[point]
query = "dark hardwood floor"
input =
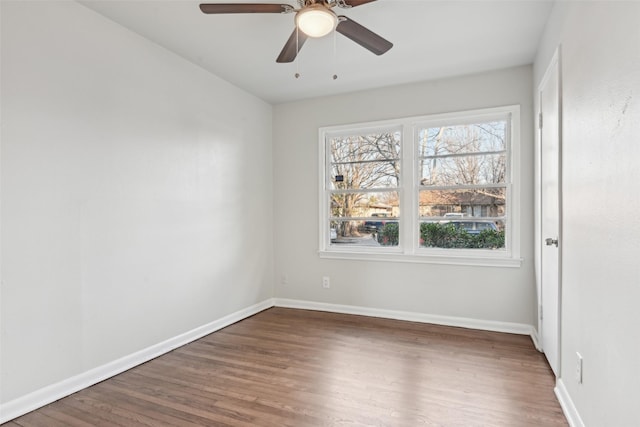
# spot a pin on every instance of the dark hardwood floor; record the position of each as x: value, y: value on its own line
x: 285, y: 367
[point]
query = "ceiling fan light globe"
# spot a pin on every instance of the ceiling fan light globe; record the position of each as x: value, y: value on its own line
x: 316, y: 21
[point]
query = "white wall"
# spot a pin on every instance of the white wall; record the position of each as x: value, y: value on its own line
x: 484, y: 293
x: 135, y: 189
x: 600, y: 46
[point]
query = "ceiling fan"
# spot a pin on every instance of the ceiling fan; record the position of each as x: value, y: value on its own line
x: 313, y: 18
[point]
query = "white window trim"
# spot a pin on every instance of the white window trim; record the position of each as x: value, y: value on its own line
x: 409, y: 216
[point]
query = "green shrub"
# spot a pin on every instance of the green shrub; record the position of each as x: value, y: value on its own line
x: 388, y: 235
x: 436, y: 235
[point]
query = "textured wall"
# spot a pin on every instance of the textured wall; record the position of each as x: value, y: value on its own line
x: 486, y: 293
x: 600, y: 57
x: 131, y: 181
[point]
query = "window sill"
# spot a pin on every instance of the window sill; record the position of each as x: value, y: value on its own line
x: 481, y: 261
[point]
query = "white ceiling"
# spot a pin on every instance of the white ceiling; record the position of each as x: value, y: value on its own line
x: 432, y: 39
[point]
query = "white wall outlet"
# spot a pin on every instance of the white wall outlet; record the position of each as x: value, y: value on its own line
x: 326, y: 282
x: 578, y: 368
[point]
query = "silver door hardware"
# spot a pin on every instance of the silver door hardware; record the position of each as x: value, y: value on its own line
x: 549, y: 241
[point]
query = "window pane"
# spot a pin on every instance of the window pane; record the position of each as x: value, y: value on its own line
x: 365, y: 219
x: 359, y: 233
x: 364, y: 161
x: 460, y: 204
x: 478, y: 169
x: 369, y: 175
x: 371, y: 146
x: 462, y: 139
x: 467, y: 233
x: 365, y: 205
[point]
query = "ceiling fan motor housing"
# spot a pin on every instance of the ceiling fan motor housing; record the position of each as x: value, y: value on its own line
x: 316, y: 20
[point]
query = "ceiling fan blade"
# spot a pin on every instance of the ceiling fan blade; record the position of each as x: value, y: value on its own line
x: 289, y: 51
x: 244, y: 8
x: 354, y: 3
x: 363, y: 36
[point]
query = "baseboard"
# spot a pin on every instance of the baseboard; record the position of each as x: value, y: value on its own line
x: 536, y: 339
x: 485, y: 325
x: 568, y: 408
x: 53, y: 392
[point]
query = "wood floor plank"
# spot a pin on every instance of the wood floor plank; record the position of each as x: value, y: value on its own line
x: 286, y: 367
x: 111, y: 409
x: 38, y: 419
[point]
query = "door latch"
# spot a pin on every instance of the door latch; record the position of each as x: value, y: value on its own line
x: 550, y: 242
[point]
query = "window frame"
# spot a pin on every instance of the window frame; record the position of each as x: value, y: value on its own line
x: 325, y: 160
x: 409, y: 249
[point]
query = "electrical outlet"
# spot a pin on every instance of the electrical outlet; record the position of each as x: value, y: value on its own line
x: 284, y: 279
x: 579, y: 368
x: 326, y: 282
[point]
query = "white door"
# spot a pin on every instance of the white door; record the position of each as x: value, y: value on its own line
x: 550, y: 214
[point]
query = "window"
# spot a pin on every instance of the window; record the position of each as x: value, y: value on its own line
x: 363, y: 183
x: 463, y: 170
x: 423, y: 189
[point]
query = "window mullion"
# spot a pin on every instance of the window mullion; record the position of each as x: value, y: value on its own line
x: 407, y: 192
x: 466, y: 154
x: 365, y: 190
x: 461, y: 187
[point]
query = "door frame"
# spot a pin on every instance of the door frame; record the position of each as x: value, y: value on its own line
x: 554, y: 62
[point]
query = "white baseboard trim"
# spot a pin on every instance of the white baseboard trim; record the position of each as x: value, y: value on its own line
x: 568, y: 408
x: 485, y: 325
x: 536, y: 339
x: 53, y: 392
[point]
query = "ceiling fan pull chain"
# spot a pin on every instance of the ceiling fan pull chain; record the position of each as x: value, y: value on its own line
x: 335, y: 55
x: 297, y: 74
